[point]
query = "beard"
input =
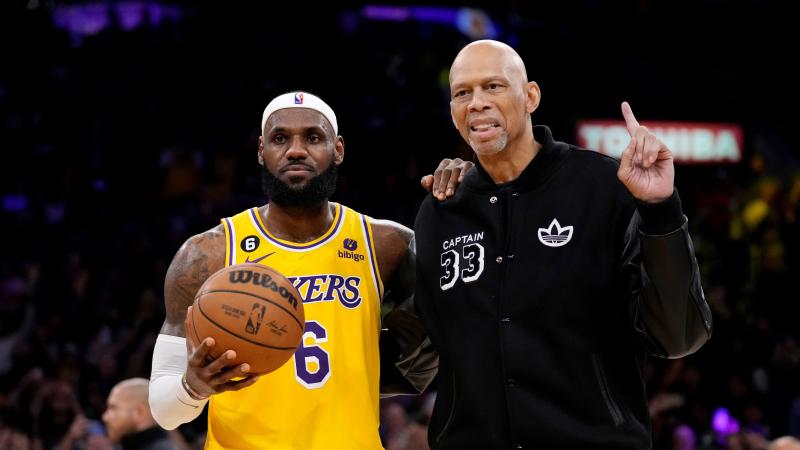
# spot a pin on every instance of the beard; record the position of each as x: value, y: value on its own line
x: 489, y: 148
x: 314, y: 192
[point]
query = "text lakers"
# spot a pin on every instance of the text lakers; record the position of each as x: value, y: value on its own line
x: 329, y: 288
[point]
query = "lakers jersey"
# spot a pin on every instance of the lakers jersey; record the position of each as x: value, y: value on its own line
x: 326, y: 395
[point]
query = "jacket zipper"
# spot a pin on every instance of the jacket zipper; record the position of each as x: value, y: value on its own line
x: 611, y: 404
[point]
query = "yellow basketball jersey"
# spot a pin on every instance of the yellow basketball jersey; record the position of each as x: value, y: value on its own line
x: 326, y: 396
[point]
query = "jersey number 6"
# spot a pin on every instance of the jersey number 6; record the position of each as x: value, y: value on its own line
x: 312, y: 366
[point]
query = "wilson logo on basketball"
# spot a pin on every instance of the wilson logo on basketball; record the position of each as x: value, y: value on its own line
x: 264, y: 280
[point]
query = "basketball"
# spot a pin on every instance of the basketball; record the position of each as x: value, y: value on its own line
x: 252, y: 309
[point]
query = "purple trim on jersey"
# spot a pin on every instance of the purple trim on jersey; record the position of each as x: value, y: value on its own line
x: 299, y: 246
x: 230, y: 241
x: 372, y: 258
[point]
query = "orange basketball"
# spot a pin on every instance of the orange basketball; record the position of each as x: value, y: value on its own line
x: 252, y: 309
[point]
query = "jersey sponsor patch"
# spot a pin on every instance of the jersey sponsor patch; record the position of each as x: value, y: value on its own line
x: 349, y: 252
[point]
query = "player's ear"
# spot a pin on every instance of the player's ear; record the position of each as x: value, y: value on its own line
x: 261, y: 150
x: 141, y: 411
x: 338, y: 156
x: 532, y: 96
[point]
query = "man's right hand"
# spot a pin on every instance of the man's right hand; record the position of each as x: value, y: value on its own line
x: 206, y: 375
x: 444, y: 181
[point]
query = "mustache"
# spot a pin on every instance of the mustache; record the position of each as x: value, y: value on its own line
x: 294, y: 166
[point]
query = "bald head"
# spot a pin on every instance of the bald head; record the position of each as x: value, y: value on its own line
x: 127, y: 409
x: 785, y: 443
x: 493, y: 54
x: 134, y: 390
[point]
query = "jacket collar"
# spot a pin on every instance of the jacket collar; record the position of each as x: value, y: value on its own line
x: 542, y: 166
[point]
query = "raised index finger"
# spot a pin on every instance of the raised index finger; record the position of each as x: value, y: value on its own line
x: 630, y: 119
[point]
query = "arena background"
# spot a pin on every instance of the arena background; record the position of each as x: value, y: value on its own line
x: 128, y: 126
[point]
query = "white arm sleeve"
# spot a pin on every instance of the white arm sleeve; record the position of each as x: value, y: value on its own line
x: 170, y: 404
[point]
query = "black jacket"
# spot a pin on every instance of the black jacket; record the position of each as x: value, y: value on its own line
x: 154, y: 438
x: 542, y: 297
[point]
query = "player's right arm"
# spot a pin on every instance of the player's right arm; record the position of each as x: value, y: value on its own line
x: 198, y: 258
x: 182, y: 377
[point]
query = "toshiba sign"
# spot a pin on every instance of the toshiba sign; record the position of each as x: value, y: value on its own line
x: 689, y: 142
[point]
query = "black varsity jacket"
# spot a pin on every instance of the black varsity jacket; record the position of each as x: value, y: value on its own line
x: 543, y: 296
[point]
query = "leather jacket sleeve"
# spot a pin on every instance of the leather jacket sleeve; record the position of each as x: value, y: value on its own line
x: 408, y: 361
x: 666, y: 299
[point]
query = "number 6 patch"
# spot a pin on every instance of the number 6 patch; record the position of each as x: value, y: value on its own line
x: 249, y: 243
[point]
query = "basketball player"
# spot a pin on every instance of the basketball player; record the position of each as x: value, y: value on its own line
x: 342, y: 262
x: 550, y: 275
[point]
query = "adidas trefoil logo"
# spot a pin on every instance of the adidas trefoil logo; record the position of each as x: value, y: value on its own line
x: 555, y: 235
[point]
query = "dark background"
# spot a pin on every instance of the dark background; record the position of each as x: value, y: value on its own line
x: 120, y: 141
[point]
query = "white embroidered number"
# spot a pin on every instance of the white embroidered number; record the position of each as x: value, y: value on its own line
x: 450, y: 264
x: 473, y: 257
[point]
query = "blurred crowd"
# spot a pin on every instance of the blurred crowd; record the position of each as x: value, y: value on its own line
x: 120, y: 145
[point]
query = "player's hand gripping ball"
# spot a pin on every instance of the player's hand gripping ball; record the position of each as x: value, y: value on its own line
x: 252, y: 309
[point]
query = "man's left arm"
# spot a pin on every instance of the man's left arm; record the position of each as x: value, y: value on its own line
x: 668, y: 308
x: 408, y: 362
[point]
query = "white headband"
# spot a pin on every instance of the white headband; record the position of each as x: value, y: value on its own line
x: 300, y: 100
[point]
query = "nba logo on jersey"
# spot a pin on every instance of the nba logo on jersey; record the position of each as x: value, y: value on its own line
x: 298, y: 98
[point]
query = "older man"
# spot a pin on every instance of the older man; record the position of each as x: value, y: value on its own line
x: 550, y: 275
